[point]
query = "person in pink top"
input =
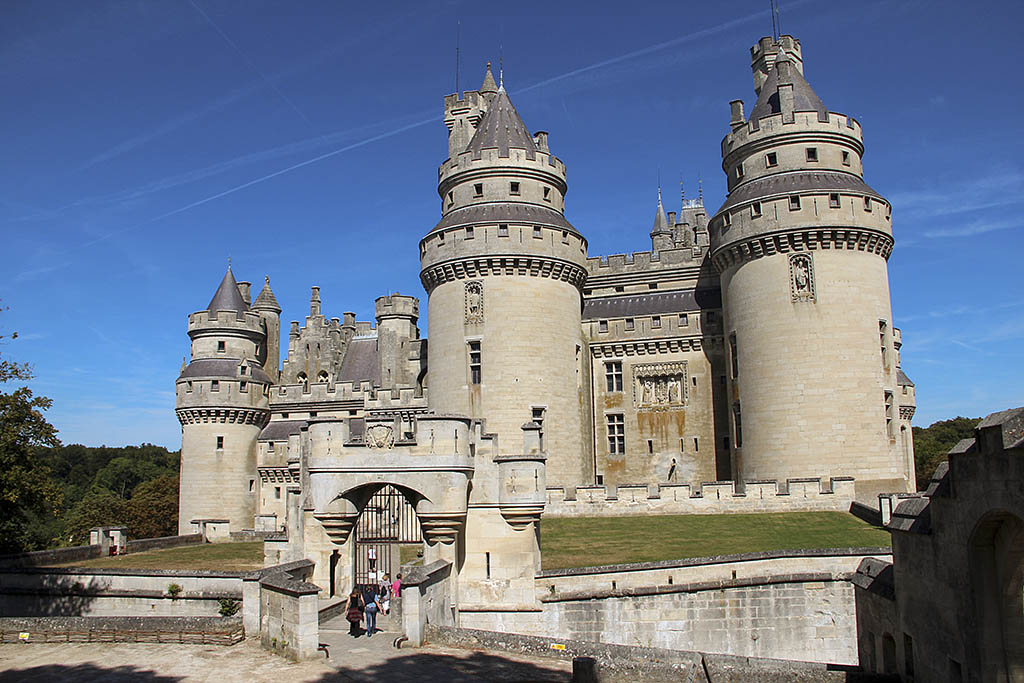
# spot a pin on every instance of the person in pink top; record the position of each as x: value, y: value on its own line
x: 396, y: 587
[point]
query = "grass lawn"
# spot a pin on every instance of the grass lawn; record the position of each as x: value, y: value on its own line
x: 592, y: 541
x: 225, y: 557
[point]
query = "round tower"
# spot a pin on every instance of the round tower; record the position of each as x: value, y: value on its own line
x: 801, y: 243
x: 504, y: 272
x: 222, y: 404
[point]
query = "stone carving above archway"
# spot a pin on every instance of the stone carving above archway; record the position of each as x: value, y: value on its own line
x: 380, y: 437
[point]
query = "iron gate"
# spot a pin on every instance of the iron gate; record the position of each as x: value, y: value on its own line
x: 387, y: 521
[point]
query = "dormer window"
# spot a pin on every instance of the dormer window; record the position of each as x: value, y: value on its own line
x: 771, y: 159
x: 243, y: 369
x: 513, y: 188
x: 812, y: 154
x: 478, y: 190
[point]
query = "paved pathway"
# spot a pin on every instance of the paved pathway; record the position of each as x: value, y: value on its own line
x: 351, y: 659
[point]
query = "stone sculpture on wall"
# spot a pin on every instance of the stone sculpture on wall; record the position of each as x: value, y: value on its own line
x: 801, y: 275
x: 380, y: 436
x: 474, y: 301
x: 658, y: 385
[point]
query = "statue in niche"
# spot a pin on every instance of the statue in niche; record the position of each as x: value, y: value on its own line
x: 801, y: 268
x: 474, y: 302
x: 648, y: 391
x: 673, y: 392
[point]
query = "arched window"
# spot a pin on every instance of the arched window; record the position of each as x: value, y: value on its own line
x: 322, y: 377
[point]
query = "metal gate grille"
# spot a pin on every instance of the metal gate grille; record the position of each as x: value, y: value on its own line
x: 387, y: 521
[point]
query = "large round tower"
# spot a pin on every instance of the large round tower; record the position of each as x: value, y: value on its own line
x: 504, y: 271
x: 802, y: 243
x: 222, y: 404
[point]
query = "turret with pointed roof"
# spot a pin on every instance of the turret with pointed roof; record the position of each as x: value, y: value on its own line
x: 269, y: 354
x: 228, y: 297
x: 661, y: 233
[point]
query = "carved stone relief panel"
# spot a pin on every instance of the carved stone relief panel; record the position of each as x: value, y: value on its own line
x: 380, y: 436
x: 801, y: 277
x: 659, y: 385
x: 474, y: 301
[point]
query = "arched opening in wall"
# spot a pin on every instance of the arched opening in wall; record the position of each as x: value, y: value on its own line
x: 997, y: 583
x: 387, y: 536
x: 322, y: 377
x: 888, y: 654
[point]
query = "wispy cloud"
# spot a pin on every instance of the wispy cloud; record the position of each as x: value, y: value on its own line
x: 978, y: 226
x: 1002, y: 188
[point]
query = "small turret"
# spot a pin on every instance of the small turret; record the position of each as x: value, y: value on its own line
x: 396, y: 327
x: 270, y: 313
x: 661, y: 233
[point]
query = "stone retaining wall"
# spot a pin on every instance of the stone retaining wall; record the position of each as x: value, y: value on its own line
x: 723, y: 497
x: 197, y: 630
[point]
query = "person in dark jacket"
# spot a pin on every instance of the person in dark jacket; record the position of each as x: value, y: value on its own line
x: 354, y: 612
x: 371, y: 605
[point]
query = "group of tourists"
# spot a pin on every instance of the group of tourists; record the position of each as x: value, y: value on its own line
x: 366, y: 601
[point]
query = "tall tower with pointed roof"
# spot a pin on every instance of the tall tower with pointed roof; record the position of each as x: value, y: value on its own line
x: 222, y: 404
x: 801, y: 243
x: 504, y: 271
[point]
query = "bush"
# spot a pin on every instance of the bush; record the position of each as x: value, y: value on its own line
x: 229, y: 607
x: 174, y: 590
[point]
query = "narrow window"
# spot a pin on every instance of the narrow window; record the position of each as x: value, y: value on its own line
x: 726, y: 219
x: 243, y: 386
x: 474, y: 362
x: 547, y: 194
x: 732, y: 356
x: 451, y: 199
x: 630, y: 324
x: 243, y: 370
x: 440, y: 237
x: 867, y: 204
x: 613, y: 375
x: 739, y: 171
x: 684, y: 320
x: 277, y: 493
x: 696, y: 445
x: 721, y: 380
x: 215, y: 385
x: 616, y: 434
x: 711, y: 316
x: 650, y: 446
x: 812, y: 154
x: 882, y: 334
x: 833, y: 200
x: 221, y: 347
x: 188, y: 387
x: 694, y: 380
x: 469, y: 233
x: 503, y: 230
x: 565, y: 237
x: 536, y: 232
x: 487, y: 558
x: 794, y: 202
x: 270, y: 446
x: 600, y: 480
x: 771, y: 159
x: 602, y: 326
x: 478, y: 190
x: 889, y: 415
x: 738, y: 422
x: 252, y: 485
x: 656, y: 322
x: 755, y: 210
x: 513, y: 188
x: 220, y: 443
x: 846, y: 158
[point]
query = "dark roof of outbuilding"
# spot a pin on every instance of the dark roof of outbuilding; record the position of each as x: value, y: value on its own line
x: 227, y: 297
x: 280, y: 430
x: 225, y: 368
x: 360, y: 363
x: 649, y: 304
x: 507, y: 212
x: 502, y: 129
x: 797, y: 181
x: 804, y: 97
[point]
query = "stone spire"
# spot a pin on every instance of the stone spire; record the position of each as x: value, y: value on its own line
x: 786, y: 72
x: 660, y: 221
x: 489, y: 87
x: 266, y: 299
x: 502, y: 128
x: 228, y: 297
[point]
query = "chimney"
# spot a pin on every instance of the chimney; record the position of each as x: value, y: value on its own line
x: 736, y: 119
x: 314, y: 302
x: 540, y: 138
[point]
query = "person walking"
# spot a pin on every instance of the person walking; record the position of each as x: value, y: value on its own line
x: 371, y: 607
x: 384, y: 593
x: 354, y: 612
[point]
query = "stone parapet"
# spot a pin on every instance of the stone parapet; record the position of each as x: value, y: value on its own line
x: 712, y: 498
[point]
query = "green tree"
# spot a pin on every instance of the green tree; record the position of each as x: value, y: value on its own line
x: 25, y: 485
x: 153, y: 509
x: 99, y: 507
x: 932, y: 444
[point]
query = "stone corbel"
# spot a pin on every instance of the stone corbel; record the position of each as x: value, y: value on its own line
x: 338, y: 526
x: 441, y: 527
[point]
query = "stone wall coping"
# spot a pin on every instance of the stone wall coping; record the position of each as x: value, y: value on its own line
x: 127, y: 571
x: 31, y: 624
x: 715, y: 559
x: 257, y: 574
x: 697, y: 586
x: 282, y: 582
x: 517, y: 457
x: 419, y: 575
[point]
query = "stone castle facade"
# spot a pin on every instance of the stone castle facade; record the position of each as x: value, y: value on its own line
x: 753, y: 344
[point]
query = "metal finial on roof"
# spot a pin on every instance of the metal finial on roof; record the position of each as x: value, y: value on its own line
x: 501, y: 66
x: 682, y: 190
x: 700, y: 190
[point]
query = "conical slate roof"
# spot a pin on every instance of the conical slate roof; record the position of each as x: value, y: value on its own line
x: 489, y: 85
x: 266, y: 300
x: 502, y: 128
x: 804, y: 97
x: 228, y: 298
x: 660, y: 220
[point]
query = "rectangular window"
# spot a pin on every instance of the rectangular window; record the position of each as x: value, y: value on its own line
x: 652, y: 285
x: 451, y: 199
x: 889, y: 423
x: 270, y: 446
x: 739, y: 171
x: 733, y: 357
x: 503, y: 230
x: 220, y: 443
x: 474, y: 362
x: 547, y: 194
x: 738, y: 423
x: 684, y: 319
x: 613, y: 375
x: 755, y: 210
x: 602, y: 326
x: 867, y: 204
x: 600, y: 480
x: 537, y: 415
x: 650, y: 446
x: 478, y: 190
x: 215, y: 385
x: 188, y: 388
x: 833, y: 200
x: 725, y: 442
x: 794, y: 202
x: 243, y: 386
x: 726, y: 219
x: 565, y: 237
x: 812, y: 154
x: 536, y: 232
x: 846, y: 158
x: 630, y: 325
x: 513, y: 188
x: 721, y: 380
x: 616, y: 434
x: 656, y: 322
x: 696, y: 444
x: 221, y: 347
x: 469, y: 233
x: 771, y: 159
x: 882, y: 342
x: 277, y: 493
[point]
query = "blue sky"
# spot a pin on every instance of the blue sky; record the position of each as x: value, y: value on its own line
x: 146, y: 142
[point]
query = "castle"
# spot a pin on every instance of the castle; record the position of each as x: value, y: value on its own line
x: 755, y: 344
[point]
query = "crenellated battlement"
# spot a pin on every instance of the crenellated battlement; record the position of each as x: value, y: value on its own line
x: 643, y: 261
x: 391, y: 399
x: 771, y: 130
x: 397, y: 305
x: 204, y: 322
x: 722, y: 497
x: 490, y: 162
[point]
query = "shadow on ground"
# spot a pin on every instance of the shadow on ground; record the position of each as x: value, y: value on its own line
x: 445, y: 668
x: 84, y: 673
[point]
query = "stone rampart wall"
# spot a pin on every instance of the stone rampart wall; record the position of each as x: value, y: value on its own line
x: 39, y: 558
x: 141, y: 544
x: 190, y: 630
x: 723, y: 497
